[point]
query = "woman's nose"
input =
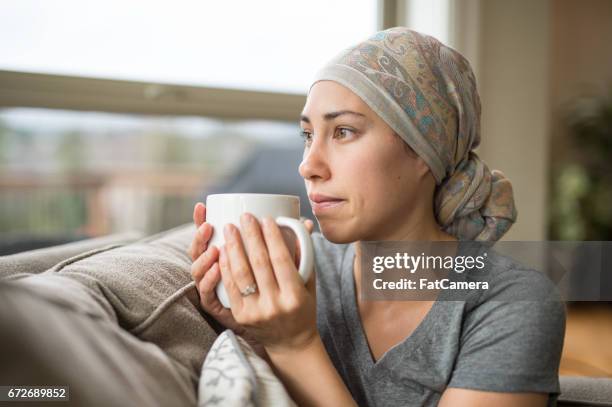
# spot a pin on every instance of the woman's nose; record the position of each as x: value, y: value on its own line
x: 314, y: 163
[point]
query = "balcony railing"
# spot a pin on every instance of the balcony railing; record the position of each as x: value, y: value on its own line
x: 94, y: 205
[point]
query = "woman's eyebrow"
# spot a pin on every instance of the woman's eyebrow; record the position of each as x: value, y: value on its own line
x: 332, y: 115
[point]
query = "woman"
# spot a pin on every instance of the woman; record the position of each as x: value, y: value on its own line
x: 389, y: 127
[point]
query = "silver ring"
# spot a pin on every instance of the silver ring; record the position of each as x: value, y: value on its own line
x: 250, y: 289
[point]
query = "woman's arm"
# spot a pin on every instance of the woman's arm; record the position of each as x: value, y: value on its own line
x: 310, y: 377
x: 281, y: 312
x: 454, y: 397
x: 510, y: 348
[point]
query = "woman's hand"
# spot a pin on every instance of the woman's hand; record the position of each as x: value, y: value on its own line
x: 206, y: 273
x: 281, y: 314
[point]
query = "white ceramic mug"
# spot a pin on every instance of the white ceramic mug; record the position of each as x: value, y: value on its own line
x: 285, y: 209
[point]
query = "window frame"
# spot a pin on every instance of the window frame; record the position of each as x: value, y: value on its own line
x: 41, y: 90
x: 22, y: 89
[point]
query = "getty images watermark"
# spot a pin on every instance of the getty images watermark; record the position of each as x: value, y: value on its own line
x: 506, y: 271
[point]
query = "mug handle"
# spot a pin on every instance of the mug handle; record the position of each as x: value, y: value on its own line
x: 305, y: 241
x: 306, y: 255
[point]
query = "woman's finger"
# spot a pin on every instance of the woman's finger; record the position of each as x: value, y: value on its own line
x: 200, y: 240
x: 210, y: 302
x: 309, y: 225
x: 238, y: 262
x: 282, y: 263
x: 258, y: 254
x: 199, y: 214
x: 311, y: 285
x: 233, y: 292
x: 204, y: 262
x: 208, y: 285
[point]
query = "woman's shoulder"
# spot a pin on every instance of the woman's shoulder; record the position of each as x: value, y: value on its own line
x: 512, y: 332
x: 517, y: 295
x: 510, y: 280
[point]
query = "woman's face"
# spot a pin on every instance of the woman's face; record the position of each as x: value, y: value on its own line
x: 353, y: 157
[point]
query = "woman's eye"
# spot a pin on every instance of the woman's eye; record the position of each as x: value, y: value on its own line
x: 343, y: 132
x: 305, y: 135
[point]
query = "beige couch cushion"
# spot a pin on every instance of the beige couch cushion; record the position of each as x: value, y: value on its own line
x: 37, y: 261
x: 144, y: 290
x: 585, y: 391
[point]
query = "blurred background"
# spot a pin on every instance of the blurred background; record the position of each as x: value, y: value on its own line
x: 118, y: 116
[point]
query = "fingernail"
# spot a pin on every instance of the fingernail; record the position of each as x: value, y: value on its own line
x: 207, y: 251
x: 267, y: 221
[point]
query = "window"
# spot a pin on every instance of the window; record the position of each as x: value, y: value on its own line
x: 430, y: 17
x: 65, y: 172
x: 268, y: 45
x: 119, y: 115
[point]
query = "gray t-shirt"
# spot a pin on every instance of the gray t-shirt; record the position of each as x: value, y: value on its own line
x: 486, y: 342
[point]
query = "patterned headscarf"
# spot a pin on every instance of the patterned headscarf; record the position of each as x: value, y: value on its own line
x: 426, y: 92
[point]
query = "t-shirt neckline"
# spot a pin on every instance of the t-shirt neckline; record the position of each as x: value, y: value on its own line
x: 356, y: 332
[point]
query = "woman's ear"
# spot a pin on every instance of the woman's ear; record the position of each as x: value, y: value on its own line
x: 422, y: 167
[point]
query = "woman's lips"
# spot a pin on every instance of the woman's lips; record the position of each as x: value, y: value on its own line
x: 320, y: 207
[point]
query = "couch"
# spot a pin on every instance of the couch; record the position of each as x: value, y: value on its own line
x: 128, y: 350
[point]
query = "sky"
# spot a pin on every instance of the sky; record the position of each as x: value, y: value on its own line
x: 272, y: 45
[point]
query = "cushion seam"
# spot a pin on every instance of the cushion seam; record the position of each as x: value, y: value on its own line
x: 59, y: 266
x: 161, y: 308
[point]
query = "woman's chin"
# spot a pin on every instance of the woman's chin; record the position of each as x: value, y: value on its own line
x: 336, y: 234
